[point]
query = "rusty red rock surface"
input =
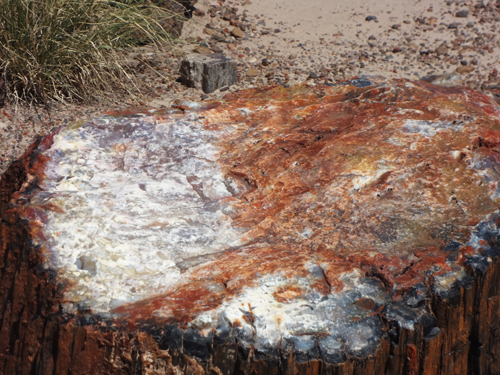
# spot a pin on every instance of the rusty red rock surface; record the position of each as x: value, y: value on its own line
x: 348, y: 199
x: 379, y: 178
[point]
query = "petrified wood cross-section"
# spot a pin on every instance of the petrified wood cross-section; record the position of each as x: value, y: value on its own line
x: 337, y: 230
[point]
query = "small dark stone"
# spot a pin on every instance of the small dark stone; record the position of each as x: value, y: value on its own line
x: 204, y: 96
x: 463, y: 62
x: 396, y: 50
x: 313, y: 75
x: 370, y: 18
x: 442, y: 50
x: 462, y: 13
x: 360, y: 82
x: 372, y: 37
x: 225, y: 88
x: 452, y: 25
x: 198, y: 13
x: 395, y: 26
x: 474, y: 61
x: 265, y: 62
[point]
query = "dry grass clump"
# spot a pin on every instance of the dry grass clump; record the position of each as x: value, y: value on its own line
x: 67, y: 50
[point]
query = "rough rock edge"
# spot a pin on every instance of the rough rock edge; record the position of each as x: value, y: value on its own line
x: 454, y: 331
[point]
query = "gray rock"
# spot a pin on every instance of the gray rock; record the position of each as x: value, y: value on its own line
x: 442, y: 50
x: 208, y: 72
x: 462, y: 13
x: 445, y: 80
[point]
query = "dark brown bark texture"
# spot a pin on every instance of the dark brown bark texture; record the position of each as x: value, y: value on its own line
x: 428, y: 329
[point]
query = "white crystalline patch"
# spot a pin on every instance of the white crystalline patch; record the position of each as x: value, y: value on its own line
x: 428, y: 128
x: 136, y: 199
x: 264, y: 321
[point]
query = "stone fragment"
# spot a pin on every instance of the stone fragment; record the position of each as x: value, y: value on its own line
x: 462, y: 13
x: 198, y: 13
x: 445, y: 80
x: 442, y: 50
x: 202, y: 50
x: 173, y: 25
x: 213, y: 32
x: 371, y: 18
x: 252, y: 72
x: 237, y: 33
x: 464, y: 69
x: 208, y: 72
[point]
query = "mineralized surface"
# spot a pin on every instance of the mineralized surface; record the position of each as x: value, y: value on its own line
x: 331, y: 229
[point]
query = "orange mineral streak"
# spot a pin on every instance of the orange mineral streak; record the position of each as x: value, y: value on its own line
x: 376, y: 179
x: 288, y: 293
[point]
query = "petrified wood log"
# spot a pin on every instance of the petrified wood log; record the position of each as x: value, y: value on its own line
x: 351, y: 229
x: 208, y: 72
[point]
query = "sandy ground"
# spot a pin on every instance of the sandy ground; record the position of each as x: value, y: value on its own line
x: 285, y: 42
